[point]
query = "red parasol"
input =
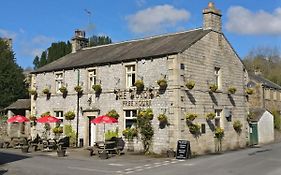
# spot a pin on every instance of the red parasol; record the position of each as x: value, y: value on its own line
x: 104, y: 119
x: 18, y: 119
x: 48, y: 119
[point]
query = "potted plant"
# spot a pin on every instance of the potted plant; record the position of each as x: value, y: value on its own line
x: 162, y: 83
x: 231, y: 90
x: 63, y: 90
x: 213, y: 87
x: 70, y: 115
x: 32, y: 91
x: 140, y: 85
x: 78, y: 89
x: 249, y: 91
x: 46, y: 91
x: 113, y: 113
x: 191, y: 116
x: 237, y: 125
x: 97, y: 88
x: 190, y: 84
x: 194, y: 129
x: 210, y: 116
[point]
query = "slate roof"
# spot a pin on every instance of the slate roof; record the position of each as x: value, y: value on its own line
x: 265, y: 82
x: 20, y: 104
x: 256, y: 114
x: 151, y: 47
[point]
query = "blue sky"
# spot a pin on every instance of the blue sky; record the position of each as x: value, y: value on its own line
x: 34, y: 25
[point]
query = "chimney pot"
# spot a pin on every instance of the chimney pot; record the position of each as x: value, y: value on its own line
x: 212, y: 18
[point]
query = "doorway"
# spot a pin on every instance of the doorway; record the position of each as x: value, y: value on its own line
x: 254, y: 140
x: 92, y: 131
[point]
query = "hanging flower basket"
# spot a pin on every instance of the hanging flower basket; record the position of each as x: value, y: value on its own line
x: 231, y: 90
x: 58, y: 130
x: 78, y: 89
x: 162, y: 83
x: 213, y: 87
x: 237, y: 126
x: 97, y: 88
x: 219, y: 133
x: 112, y: 113
x: 194, y: 128
x: 210, y: 116
x: 249, y: 91
x: 70, y: 115
x: 140, y: 85
x: 46, y: 91
x: 148, y: 113
x: 130, y: 133
x: 32, y: 91
x: 190, y: 84
x: 63, y: 89
x: 162, y: 118
x: 191, y: 117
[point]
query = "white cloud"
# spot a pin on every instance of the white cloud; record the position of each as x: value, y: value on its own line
x: 243, y: 21
x: 41, y: 39
x: 7, y: 34
x: 156, y: 19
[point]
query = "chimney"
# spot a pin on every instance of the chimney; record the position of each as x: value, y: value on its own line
x: 79, y: 41
x: 212, y: 18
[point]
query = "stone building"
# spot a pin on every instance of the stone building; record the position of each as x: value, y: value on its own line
x: 203, y: 56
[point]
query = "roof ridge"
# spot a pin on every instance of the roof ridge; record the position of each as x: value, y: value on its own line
x: 141, y: 39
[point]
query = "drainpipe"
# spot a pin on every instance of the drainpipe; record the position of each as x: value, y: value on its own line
x: 77, y: 118
x: 263, y: 97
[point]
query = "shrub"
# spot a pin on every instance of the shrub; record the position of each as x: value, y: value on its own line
x: 211, y: 116
x: 190, y: 84
x: 113, y: 113
x: 70, y: 115
x: 191, y: 117
x: 140, y: 85
x: 219, y: 133
x: 237, y: 125
x: 130, y: 133
x: 97, y: 88
x: 162, y: 118
x: 78, y: 89
x: 249, y: 91
x: 162, y: 83
x: 213, y: 87
x: 232, y: 90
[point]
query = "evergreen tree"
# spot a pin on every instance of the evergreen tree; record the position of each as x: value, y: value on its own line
x: 12, y: 85
x: 36, y: 62
x: 99, y: 40
x: 43, y: 59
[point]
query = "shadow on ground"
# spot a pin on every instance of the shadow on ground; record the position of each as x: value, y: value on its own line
x: 10, y: 157
x: 3, y: 171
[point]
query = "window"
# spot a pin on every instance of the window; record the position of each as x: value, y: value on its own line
x: 130, y: 118
x: 203, y: 128
x: 59, y: 81
x: 59, y: 115
x: 218, y: 118
x: 92, y: 78
x: 182, y: 66
x: 218, y: 77
x: 130, y: 75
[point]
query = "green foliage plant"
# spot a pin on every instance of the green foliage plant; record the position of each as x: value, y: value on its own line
x: 190, y: 84
x: 162, y: 83
x: 145, y: 128
x: 219, y: 133
x: 58, y: 130
x: 113, y: 113
x: 140, y: 85
x: 277, y: 120
x: 110, y: 134
x: 237, y: 126
x: 97, y: 88
x: 213, y: 87
x: 32, y: 91
x: 63, y: 90
x: 46, y: 91
x: 210, y: 116
x: 162, y: 118
x: 69, y: 132
x: 194, y: 128
x: 130, y: 133
x: 249, y: 91
x: 232, y: 90
x: 78, y: 89
x: 69, y: 115
x: 191, y: 116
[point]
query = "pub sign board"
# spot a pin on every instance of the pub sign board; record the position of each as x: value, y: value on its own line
x: 183, y: 149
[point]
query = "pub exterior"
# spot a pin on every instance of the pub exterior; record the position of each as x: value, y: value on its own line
x: 190, y: 62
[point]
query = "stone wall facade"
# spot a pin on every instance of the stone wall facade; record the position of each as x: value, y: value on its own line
x: 196, y: 63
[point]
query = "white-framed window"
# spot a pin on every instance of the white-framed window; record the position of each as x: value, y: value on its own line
x: 59, y: 115
x: 59, y: 81
x: 92, y: 74
x: 218, y: 77
x: 130, y: 118
x: 130, y: 75
x: 218, y: 118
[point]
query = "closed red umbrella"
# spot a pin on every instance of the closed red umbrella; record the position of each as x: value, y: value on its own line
x: 18, y: 119
x: 48, y: 119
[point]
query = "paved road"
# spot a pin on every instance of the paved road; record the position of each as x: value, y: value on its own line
x: 257, y: 161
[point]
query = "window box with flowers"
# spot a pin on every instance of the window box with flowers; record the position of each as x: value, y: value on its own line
x: 210, y: 116
x: 190, y: 84
x: 140, y: 85
x: 70, y: 115
x: 213, y: 87
x: 113, y: 113
x: 162, y: 84
x: 191, y: 117
x: 97, y: 88
x: 249, y: 91
x: 46, y: 91
x: 78, y: 89
x: 232, y: 90
x: 32, y: 91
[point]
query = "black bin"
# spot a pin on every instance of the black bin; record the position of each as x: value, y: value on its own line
x: 81, y: 142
